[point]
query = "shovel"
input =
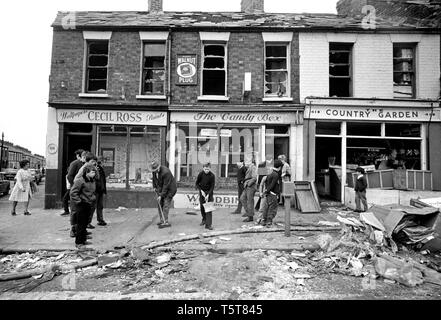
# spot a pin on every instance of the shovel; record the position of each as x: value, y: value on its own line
x: 160, y: 208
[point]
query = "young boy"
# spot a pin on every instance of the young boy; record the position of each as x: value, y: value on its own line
x: 360, y: 190
x: 205, y: 184
x: 82, y: 195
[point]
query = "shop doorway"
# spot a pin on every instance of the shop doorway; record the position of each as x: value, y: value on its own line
x: 76, y: 137
x: 328, y: 171
x: 281, y: 146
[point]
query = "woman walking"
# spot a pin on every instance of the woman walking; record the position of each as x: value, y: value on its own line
x: 83, y: 197
x: 205, y: 184
x: 22, y: 191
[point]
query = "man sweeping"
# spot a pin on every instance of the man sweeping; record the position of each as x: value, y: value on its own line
x: 165, y: 187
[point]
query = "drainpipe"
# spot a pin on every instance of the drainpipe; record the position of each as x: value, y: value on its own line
x: 169, y: 66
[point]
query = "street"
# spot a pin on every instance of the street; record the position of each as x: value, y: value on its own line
x: 132, y: 259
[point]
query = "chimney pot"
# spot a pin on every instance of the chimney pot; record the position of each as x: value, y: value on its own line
x: 155, y: 6
x: 252, y: 6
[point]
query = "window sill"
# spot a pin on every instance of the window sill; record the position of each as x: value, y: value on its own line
x: 93, y: 95
x: 151, y: 97
x: 277, y: 99
x: 214, y: 98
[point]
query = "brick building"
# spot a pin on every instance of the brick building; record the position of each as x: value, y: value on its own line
x: 191, y: 87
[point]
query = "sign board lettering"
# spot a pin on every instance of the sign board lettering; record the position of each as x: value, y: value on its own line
x: 186, y: 69
x: 236, y: 117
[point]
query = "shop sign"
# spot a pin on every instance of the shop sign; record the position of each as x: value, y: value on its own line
x: 236, y: 117
x: 377, y: 114
x: 52, y: 148
x: 225, y: 133
x: 186, y: 69
x: 191, y: 200
x: 208, y: 132
x: 152, y: 118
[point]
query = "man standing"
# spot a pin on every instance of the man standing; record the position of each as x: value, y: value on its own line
x: 101, y: 190
x: 360, y: 190
x: 165, y: 187
x: 272, y: 185
x: 241, y: 172
x: 66, y: 196
x: 250, y: 189
x: 74, y: 167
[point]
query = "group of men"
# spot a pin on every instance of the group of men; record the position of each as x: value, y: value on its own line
x: 267, y: 178
x: 74, y: 173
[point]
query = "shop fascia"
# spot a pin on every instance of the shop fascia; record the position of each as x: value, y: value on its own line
x: 235, y: 117
x: 152, y: 118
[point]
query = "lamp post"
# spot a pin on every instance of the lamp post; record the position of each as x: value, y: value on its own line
x: 1, y: 152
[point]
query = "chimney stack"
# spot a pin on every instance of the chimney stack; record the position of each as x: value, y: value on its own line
x: 155, y: 6
x: 252, y: 6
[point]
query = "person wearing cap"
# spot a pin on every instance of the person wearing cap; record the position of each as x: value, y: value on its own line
x: 205, y: 184
x: 83, y: 197
x: 250, y: 188
x: 272, y: 186
x: 360, y: 190
x: 165, y: 187
x: 241, y: 172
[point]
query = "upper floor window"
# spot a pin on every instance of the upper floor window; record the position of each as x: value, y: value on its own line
x: 404, y: 70
x: 276, y: 70
x: 214, y: 70
x: 340, y: 69
x: 96, y: 66
x: 153, y: 73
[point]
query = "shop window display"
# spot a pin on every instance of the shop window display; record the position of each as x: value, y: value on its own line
x: 127, y: 152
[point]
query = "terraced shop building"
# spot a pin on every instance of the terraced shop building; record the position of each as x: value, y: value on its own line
x: 184, y: 88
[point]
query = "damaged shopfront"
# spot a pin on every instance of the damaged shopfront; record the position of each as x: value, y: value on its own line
x: 128, y: 142
x: 382, y: 136
x: 225, y: 137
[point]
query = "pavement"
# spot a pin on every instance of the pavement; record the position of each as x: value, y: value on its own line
x: 47, y: 230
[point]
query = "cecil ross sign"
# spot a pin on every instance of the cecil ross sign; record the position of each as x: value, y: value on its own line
x: 112, y: 117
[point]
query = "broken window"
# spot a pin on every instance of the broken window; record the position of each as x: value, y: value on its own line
x: 154, y: 69
x: 340, y: 70
x: 404, y: 70
x: 97, y: 63
x: 276, y: 70
x: 214, y: 70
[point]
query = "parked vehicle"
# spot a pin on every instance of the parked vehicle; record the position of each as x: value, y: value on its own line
x: 4, y: 184
x: 10, y: 174
x: 36, y: 174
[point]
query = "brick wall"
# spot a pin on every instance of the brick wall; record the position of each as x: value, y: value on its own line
x: 155, y: 5
x: 245, y: 54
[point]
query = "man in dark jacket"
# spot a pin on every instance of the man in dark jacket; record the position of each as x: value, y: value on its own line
x: 66, y: 196
x: 241, y: 172
x: 74, y: 167
x: 360, y: 190
x: 101, y: 190
x: 272, y: 185
x: 165, y: 187
x: 205, y: 184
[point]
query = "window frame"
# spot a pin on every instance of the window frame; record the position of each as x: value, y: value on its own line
x: 287, y: 46
x: 144, y: 94
x: 413, y: 47
x: 350, y: 45
x: 225, y: 69
x: 86, y: 90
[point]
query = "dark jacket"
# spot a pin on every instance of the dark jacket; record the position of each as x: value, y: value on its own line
x: 273, y: 182
x: 241, y: 174
x: 74, y: 167
x: 206, y: 183
x: 83, y: 191
x: 101, y: 187
x: 164, y: 183
x: 360, y: 184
